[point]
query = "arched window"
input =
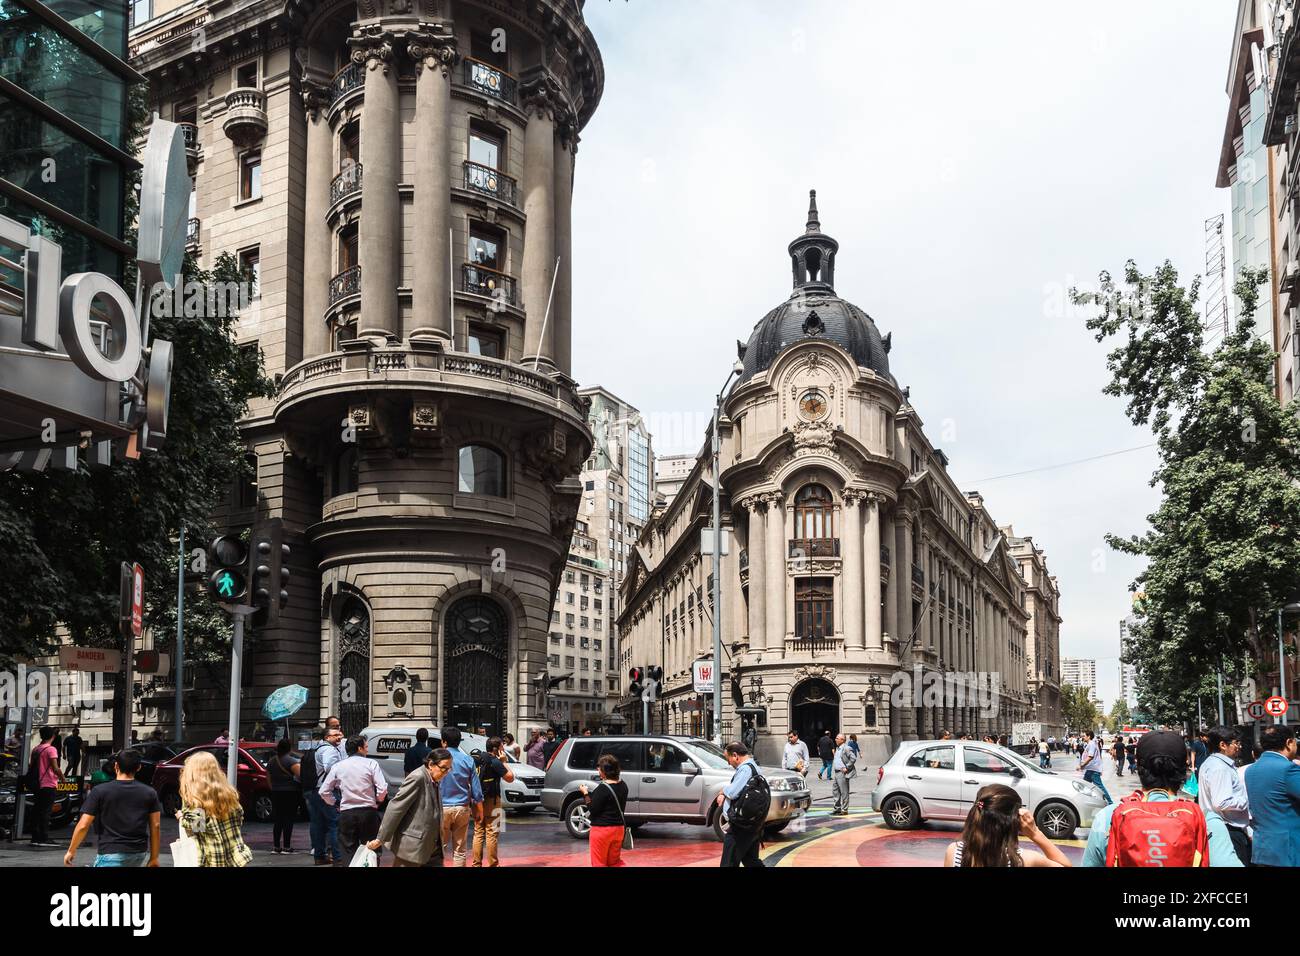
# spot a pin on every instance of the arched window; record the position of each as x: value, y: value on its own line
x: 813, y: 514
x: 482, y: 471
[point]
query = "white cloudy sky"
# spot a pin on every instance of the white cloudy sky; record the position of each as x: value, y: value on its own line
x: 974, y: 160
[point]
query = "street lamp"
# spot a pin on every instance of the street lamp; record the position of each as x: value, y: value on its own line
x: 1292, y: 607
x: 736, y: 369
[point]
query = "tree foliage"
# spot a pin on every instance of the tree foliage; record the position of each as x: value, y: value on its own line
x: 1078, y: 708
x: 1223, y: 548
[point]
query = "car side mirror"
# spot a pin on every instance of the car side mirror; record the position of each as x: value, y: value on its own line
x: 1016, y: 772
x: 689, y: 767
x: 245, y: 767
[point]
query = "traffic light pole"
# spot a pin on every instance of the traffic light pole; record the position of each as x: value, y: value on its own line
x: 180, y: 639
x: 236, y: 671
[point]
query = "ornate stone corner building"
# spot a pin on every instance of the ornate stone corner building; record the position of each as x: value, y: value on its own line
x: 398, y: 176
x: 854, y: 558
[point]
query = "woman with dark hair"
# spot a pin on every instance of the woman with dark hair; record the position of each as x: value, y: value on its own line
x: 606, y: 804
x: 994, y: 826
x: 286, y: 794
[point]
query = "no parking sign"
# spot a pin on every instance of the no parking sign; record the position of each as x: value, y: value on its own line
x: 1276, y: 706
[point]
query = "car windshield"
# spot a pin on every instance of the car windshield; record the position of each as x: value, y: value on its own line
x: 708, y: 754
x: 262, y: 755
x: 1020, y: 761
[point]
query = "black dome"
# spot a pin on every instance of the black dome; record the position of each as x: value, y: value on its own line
x: 815, y: 311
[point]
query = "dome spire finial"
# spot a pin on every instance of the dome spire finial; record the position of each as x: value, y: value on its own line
x: 814, y: 225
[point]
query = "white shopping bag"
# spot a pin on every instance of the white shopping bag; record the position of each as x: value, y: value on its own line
x: 185, y: 851
x: 364, y: 857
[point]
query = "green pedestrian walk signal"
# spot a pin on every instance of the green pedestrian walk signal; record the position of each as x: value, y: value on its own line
x: 228, y: 583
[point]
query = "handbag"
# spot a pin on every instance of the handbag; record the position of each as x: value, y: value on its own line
x: 628, y: 843
x: 185, y: 851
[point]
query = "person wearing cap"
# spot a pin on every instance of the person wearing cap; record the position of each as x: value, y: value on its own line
x: 1162, y: 768
x: 1273, y: 785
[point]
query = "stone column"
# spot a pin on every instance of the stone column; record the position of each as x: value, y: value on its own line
x: 566, y: 147
x: 891, y: 592
x: 540, y: 97
x: 871, y: 556
x: 431, y: 313
x: 317, y: 238
x: 757, y: 576
x: 851, y: 580
x: 776, y: 574
x: 903, y: 571
x: 380, y: 233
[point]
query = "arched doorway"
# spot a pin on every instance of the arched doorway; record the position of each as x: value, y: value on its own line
x: 476, y: 647
x: 814, y: 709
x: 354, y: 665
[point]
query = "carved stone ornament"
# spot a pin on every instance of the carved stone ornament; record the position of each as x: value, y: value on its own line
x: 425, y: 417
x: 432, y: 51
x: 374, y: 49
x: 809, y: 671
x: 314, y: 99
x: 813, y: 435
x: 359, y: 415
x: 541, y: 96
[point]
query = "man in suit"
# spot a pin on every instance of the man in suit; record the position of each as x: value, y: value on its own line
x: 1273, y: 788
x: 415, y: 755
x: 412, y: 825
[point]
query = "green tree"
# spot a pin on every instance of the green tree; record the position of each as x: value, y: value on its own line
x: 1077, y: 708
x: 1223, y: 548
x: 1118, y: 716
x: 69, y: 531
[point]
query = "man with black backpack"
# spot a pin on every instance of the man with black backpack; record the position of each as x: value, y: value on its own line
x: 744, y: 802
x: 492, y: 771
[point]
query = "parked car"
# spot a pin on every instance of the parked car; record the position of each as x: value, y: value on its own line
x: 252, y: 779
x: 389, y: 743
x: 669, y: 780
x: 66, y: 806
x: 938, y: 780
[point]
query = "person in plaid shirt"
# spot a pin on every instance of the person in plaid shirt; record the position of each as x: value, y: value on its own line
x: 211, y: 814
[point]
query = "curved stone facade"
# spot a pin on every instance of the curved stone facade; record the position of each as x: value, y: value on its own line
x: 407, y: 205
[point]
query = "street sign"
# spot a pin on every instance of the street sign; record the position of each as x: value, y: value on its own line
x: 1255, y: 709
x: 137, y: 600
x: 1276, y: 706
x: 96, y: 659
x: 702, y: 672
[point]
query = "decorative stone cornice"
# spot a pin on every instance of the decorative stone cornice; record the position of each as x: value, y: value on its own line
x: 314, y: 97
x: 540, y: 95
x: 432, y: 51
x: 813, y: 435
x: 854, y: 497
x: 373, y: 48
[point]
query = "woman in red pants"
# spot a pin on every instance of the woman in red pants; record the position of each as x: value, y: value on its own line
x: 606, y: 805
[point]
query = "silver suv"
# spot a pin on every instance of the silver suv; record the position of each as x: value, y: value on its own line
x: 669, y: 779
x: 938, y: 779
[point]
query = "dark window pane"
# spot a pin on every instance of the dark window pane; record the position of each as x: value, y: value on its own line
x: 105, y: 23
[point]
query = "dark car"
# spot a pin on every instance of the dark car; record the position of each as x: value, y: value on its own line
x: 252, y: 779
x: 67, y: 803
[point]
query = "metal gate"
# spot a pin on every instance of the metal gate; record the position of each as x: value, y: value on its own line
x: 476, y: 645
x: 354, y: 666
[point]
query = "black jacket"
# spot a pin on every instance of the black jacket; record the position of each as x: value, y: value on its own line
x: 826, y: 748
x: 415, y: 755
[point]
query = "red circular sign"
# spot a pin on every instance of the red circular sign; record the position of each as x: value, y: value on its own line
x: 1276, y: 706
x: 1255, y: 708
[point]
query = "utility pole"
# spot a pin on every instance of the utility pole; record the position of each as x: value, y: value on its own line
x: 180, y: 639
x: 715, y: 448
x: 1219, y: 678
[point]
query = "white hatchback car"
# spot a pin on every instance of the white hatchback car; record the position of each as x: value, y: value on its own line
x: 938, y: 779
x: 388, y: 745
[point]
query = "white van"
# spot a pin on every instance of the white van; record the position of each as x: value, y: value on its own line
x: 388, y: 744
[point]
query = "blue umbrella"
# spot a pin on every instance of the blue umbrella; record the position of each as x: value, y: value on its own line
x: 284, y: 702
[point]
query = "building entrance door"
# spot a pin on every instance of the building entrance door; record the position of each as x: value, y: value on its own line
x: 475, y: 645
x: 814, y: 709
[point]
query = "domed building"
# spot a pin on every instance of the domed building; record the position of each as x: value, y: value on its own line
x: 863, y: 591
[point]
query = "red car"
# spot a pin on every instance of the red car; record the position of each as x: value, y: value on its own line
x: 253, y: 781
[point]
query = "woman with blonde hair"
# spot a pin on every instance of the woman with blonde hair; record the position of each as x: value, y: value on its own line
x: 211, y: 814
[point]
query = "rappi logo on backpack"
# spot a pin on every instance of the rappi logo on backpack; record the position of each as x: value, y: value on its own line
x: 1156, y: 855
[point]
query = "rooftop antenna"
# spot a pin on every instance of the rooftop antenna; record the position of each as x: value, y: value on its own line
x: 1216, y: 299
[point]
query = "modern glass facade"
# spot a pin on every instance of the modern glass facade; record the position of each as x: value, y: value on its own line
x: 63, y: 126
x: 1251, y: 218
x: 638, y: 476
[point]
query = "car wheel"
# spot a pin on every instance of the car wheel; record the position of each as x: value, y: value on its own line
x: 577, y: 818
x: 171, y: 802
x: 716, y: 824
x: 262, y: 808
x: 1056, y: 820
x: 901, y: 813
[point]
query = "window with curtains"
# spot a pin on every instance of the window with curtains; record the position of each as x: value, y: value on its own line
x: 814, y: 607
x: 813, y: 513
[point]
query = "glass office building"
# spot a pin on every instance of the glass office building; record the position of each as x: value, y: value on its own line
x: 1251, y: 210
x: 64, y: 161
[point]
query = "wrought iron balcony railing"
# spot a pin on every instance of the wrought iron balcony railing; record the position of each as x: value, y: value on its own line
x: 192, y: 234
x: 744, y: 560
x: 918, y: 576
x: 346, y: 80
x: 345, y: 183
x: 884, y: 555
x: 814, y: 548
x: 490, y: 182
x: 488, y: 79
x: 346, y: 283
x: 481, y: 280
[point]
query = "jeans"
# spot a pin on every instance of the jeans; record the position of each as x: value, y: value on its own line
x: 1094, y: 778
x: 1044, y: 760
x: 324, y: 828
x: 827, y: 768
x: 740, y: 847
x: 122, y: 859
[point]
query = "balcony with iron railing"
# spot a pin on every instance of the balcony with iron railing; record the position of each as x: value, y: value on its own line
x: 811, y: 644
x: 351, y: 77
x: 245, y: 122
x: 487, y: 79
x: 918, y: 576
x: 487, y: 181
x: 346, y: 283
x: 884, y: 555
x: 814, y: 548
x: 193, y: 150
x: 345, y: 183
x: 480, y: 280
x: 192, y: 235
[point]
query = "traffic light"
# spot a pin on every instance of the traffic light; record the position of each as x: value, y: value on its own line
x: 227, y: 556
x: 637, y: 674
x: 268, y: 570
x: 654, y: 677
